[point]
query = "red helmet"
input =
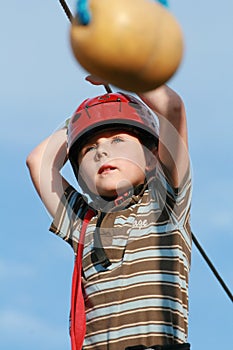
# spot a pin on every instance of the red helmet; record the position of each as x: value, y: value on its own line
x: 110, y: 110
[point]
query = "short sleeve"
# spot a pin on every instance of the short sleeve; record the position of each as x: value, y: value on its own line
x: 68, y: 216
x: 177, y: 201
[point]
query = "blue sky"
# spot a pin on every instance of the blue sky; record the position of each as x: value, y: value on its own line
x: 41, y: 84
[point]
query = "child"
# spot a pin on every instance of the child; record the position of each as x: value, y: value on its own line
x: 131, y: 219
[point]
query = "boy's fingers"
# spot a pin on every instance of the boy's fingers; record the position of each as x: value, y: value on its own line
x: 95, y: 80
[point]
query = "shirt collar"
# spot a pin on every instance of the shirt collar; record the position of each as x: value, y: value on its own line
x: 123, y: 201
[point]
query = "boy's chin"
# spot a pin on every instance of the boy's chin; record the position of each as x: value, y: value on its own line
x: 113, y: 192
x: 108, y: 194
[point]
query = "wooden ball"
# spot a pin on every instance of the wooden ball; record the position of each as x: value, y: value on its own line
x: 136, y: 45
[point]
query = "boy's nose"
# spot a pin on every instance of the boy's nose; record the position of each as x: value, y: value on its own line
x: 102, y: 151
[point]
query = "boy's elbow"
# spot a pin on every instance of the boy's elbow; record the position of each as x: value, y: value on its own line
x: 29, y: 160
x: 32, y: 160
x: 177, y: 111
x: 33, y: 164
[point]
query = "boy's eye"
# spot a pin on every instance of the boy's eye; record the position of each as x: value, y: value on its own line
x: 89, y: 148
x: 117, y: 139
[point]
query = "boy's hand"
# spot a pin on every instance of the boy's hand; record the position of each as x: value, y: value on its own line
x: 95, y: 80
x: 98, y: 81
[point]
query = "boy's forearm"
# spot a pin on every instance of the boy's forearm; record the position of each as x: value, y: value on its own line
x: 45, y: 163
x: 169, y: 107
x: 163, y: 101
x: 52, y: 150
x: 173, y: 143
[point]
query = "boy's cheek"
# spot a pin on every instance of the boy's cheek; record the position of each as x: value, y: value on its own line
x: 84, y: 175
x: 151, y: 159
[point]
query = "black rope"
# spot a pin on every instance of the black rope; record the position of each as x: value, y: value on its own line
x: 66, y: 9
x: 215, y: 272
x: 108, y: 89
x: 70, y: 17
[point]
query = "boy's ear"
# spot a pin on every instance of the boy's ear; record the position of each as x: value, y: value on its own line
x: 151, y: 158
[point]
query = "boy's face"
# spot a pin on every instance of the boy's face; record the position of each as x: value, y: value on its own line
x: 112, y: 162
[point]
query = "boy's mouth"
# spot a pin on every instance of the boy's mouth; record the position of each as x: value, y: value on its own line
x: 105, y: 169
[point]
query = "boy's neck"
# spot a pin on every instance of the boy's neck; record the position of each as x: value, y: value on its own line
x: 107, y: 204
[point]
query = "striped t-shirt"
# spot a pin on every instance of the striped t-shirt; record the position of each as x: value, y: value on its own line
x: 141, y: 295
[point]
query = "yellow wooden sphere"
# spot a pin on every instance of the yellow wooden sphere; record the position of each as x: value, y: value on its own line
x: 136, y: 45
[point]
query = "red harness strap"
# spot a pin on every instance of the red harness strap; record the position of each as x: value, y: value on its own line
x: 77, y: 313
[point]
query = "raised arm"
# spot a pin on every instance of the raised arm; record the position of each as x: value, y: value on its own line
x: 45, y: 163
x: 173, y: 144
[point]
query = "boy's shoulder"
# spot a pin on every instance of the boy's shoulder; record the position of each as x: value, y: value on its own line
x: 72, y: 206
